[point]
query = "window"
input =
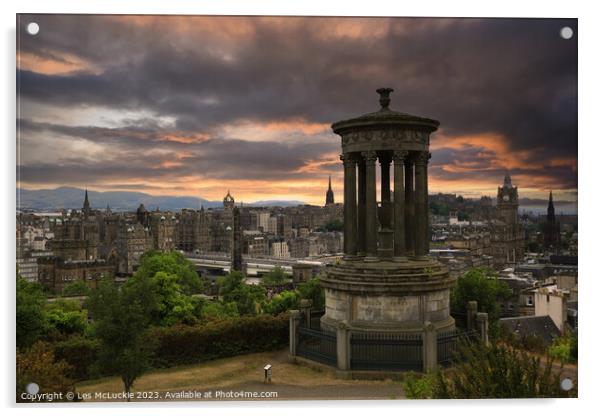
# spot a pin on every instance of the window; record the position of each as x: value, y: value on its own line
x: 530, y: 301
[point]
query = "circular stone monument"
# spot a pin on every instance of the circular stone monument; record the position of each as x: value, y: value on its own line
x: 386, y: 282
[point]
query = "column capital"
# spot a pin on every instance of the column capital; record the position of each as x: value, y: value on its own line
x: 370, y: 156
x: 348, y: 159
x: 399, y: 156
x: 422, y: 158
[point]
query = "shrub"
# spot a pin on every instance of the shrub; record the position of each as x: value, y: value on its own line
x: 498, y: 372
x: 564, y: 348
x: 282, y: 302
x: 38, y: 365
x: 183, y: 344
x: 80, y: 353
x: 418, y: 386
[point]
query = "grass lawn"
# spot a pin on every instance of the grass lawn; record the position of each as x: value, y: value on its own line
x: 245, y: 373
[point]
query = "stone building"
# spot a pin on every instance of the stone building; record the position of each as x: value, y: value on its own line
x: 55, y: 273
x: 133, y: 240
x: 507, y: 233
x: 551, y: 229
x: 236, y: 245
x: 329, y: 193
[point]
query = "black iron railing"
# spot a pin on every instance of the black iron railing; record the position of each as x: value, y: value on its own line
x: 317, y: 345
x: 384, y: 351
x: 449, y: 342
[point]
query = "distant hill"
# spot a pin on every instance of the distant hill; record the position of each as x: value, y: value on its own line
x: 73, y: 198
x: 276, y: 203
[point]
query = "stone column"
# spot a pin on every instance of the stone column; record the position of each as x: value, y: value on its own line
x: 471, y: 314
x: 421, y: 214
x: 343, y: 347
x: 350, y: 207
x: 385, y: 180
x: 371, y: 232
x: 399, y: 243
x: 361, y: 207
x: 305, y: 308
x: 385, y: 214
x: 410, y: 232
x: 483, y: 326
x: 429, y: 347
x: 294, y: 321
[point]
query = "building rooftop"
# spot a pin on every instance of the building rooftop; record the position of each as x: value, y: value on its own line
x: 542, y: 327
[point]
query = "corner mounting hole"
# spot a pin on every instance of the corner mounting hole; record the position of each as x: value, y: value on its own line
x: 33, y: 28
x: 566, y: 32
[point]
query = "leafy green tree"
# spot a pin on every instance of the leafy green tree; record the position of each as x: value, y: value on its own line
x: 230, y: 282
x: 219, y: 310
x: 174, y: 305
x: 274, y: 277
x: 77, y: 288
x: 31, y: 322
x: 312, y: 290
x: 66, y: 317
x: 282, y: 302
x: 480, y: 284
x: 172, y: 263
x: 121, y: 319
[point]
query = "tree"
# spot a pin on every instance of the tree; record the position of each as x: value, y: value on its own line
x: 480, y: 284
x: 121, y: 319
x: 66, y: 317
x: 37, y: 365
x: 274, y: 277
x: 172, y: 263
x: 282, y: 302
x: 77, y: 288
x: 31, y: 321
x: 174, y: 305
x: 312, y: 290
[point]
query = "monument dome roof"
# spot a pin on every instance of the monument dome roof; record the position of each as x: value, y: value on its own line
x: 385, y: 116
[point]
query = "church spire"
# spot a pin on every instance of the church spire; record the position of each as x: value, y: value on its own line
x: 86, y: 208
x: 329, y: 193
x: 551, y: 207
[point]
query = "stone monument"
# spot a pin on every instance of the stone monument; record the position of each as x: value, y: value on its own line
x: 386, y: 282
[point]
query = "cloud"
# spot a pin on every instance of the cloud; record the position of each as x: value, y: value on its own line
x: 503, y: 89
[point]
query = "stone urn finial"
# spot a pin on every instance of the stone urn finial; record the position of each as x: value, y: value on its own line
x: 384, y: 97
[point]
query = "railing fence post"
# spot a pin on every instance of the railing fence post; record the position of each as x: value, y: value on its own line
x: 483, y: 327
x: 429, y: 347
x: 471, y: 312
x: 343, y: 347
x: 305, y: 307
x: 294, y: 320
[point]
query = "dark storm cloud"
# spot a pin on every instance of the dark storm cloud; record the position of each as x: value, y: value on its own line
x: 513, y: 77
x: 218, y: 157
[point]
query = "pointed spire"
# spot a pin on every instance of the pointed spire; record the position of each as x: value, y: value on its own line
x: 507, y: 181
x: 86, y: 208
x: 329, y: 183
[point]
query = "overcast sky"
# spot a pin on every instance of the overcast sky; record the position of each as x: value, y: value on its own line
x: 195, y: 106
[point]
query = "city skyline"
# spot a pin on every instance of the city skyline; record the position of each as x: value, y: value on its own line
x: 174, y: 105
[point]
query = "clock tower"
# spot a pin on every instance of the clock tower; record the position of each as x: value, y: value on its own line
x: 507, y: 202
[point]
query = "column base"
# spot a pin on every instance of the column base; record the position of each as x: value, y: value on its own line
x: 422, y: 258
x: 350, y: 257
x: 371, y: 259
x: 400, y: 259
